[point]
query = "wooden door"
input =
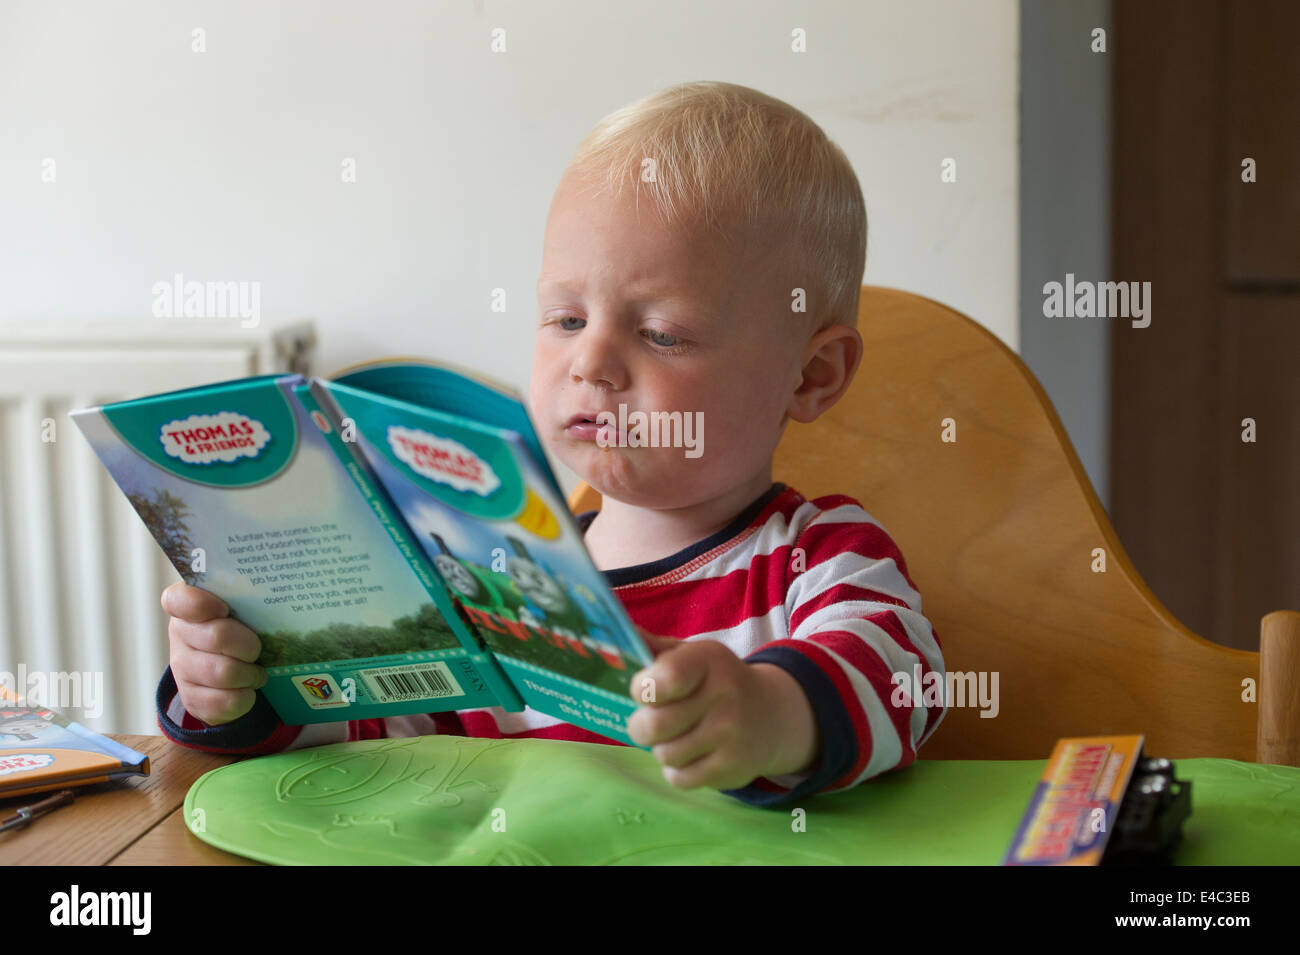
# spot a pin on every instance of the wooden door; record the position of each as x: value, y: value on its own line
x: 1210, y: 520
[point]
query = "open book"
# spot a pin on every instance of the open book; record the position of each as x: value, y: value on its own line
x: 394, y: 536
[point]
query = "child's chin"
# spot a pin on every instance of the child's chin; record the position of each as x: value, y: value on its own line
x: 607, y: 470
x: 622, y: 481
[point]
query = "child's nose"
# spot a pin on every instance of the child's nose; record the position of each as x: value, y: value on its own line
x: 596, y: 361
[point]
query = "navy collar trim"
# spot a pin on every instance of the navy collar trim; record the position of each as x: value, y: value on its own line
x: 637, y: 573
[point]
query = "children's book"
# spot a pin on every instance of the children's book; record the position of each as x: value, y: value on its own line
x: 394, y: 535
x: 41, y: 749
x: 1077, y: 802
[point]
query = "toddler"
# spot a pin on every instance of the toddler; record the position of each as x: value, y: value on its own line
x: 703, y: 254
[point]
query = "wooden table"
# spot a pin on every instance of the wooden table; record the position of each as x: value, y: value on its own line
x: 134, y: 822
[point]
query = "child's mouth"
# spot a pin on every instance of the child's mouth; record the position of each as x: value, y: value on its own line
x: 584, y: 427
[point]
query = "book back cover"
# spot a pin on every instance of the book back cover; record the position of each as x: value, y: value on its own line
x: 237, y: 485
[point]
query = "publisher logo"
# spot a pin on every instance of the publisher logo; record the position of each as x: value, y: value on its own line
x: 320, y: 691
x: 443, y: 460
x: 208, y: 438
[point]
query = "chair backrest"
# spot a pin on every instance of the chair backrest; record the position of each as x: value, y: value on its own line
x: 950, y: 443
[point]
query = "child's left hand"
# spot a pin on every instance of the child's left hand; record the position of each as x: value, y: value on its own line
x: 714, y: 720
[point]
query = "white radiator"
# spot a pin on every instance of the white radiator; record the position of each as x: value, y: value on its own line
x: 79, y: 574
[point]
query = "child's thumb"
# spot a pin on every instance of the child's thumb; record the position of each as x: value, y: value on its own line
x: 657, y: 643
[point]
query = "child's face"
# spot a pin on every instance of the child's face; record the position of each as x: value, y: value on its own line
x: 629, y: 313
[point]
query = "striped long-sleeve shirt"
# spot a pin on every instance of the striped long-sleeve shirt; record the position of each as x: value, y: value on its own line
x: 817, y: 588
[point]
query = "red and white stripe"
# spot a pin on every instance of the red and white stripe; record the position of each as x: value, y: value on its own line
x: 821, y: 577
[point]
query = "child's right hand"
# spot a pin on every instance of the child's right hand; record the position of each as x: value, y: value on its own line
x: 211, y: 655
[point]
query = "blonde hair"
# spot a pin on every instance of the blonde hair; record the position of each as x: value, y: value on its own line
x: 724, y: 153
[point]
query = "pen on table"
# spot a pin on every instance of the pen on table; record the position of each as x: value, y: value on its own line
x: 25, y: 814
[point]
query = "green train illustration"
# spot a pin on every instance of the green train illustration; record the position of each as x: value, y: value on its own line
x: 479, y: 586
x: 528, y: 593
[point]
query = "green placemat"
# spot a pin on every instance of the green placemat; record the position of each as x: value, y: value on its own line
x: 450, y: 800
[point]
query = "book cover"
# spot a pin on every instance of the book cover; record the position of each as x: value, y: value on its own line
x: 1075, y: 806
x: 495, y: 526
x: 411, y: 681
x: 41, y: 749
x: 395, y: 537
x: 241, y: 490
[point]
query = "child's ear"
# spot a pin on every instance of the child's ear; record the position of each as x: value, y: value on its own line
x: 830, y: 361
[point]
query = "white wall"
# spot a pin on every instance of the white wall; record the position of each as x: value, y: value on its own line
x: 225, y: 165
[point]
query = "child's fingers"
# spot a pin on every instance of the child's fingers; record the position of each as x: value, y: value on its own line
x: 661, y: 645
x: 215, y: 670
x: 224, y: 636
x: 657, y: 643
x: 192, y: 603
x: 215, y: 707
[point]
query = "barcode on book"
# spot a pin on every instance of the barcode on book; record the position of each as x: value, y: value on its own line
x: 418, y: 681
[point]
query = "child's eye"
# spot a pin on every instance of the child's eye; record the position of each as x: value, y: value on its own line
x: 661, y: 338
x: 570, y: 318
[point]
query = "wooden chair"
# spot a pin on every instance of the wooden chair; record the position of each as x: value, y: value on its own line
x: 1001, y: 531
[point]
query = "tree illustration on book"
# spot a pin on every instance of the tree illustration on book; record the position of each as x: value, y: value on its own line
x: 425, y: 630
x: 164, y: 514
